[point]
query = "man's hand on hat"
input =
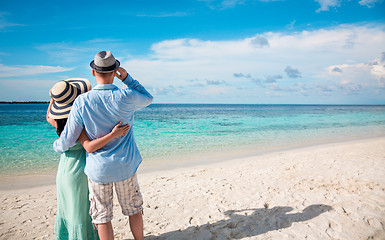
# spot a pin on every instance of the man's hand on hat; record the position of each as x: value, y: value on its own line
x: 121, y: 73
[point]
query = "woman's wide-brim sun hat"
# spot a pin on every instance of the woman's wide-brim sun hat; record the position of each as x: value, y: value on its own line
x: 64, y: 94
x: 104, y: 62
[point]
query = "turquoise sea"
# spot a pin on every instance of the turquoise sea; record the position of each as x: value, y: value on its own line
x: 176, y: 134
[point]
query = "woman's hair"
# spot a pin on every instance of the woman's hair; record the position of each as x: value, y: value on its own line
x: 60, y: 124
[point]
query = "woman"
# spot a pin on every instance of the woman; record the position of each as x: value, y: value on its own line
x: 72, y: 219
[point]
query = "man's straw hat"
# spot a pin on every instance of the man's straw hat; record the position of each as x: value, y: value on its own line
x: 104, y: 62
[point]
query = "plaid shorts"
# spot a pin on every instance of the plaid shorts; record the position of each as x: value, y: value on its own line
x: 101, y: 195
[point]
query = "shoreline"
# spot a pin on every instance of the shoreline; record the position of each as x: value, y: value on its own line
x: 261, y: 104
x: 329, y: 191
x: 35, y: 179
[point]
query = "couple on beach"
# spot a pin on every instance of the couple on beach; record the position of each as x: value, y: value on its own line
x: 98, y: 121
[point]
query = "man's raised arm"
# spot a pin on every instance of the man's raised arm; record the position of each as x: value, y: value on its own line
x: 142, y: 98
x: 70, y: 135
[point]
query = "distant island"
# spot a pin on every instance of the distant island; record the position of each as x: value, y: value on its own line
x: 29, y: 102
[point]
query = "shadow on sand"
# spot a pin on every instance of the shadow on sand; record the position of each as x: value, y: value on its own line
x: 240, y: 224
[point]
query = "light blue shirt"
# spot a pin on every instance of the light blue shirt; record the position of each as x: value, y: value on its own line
x: 98, y: 111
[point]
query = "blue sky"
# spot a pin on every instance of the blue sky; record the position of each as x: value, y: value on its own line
x: 201, y: 51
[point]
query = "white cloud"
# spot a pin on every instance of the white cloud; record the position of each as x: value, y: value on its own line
x: 4, y: 23
x: 226, y: 4
x: 259, y: 41
x: 12, y: 71
x: 232, y: 3
x: 215, y: 82
x: 272, y: 79
x: 336, y: 69
x: 369, y: 3
x: 241, y: 75
x: 164, y: 14
x: 321, y: 55
x: 292, y: 72
x: 326, y: 4
x: 222, y: 4
x: 291, y: 24
x: 75, y: 53
x: 358, y: 77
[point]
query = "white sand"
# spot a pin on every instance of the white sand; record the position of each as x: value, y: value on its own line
x: 333, y: 191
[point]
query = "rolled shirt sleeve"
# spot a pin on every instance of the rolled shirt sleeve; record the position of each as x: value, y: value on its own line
x: 139, y: 97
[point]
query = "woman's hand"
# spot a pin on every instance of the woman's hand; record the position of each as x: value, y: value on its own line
x: 96, y: 144
x: 119, y: 130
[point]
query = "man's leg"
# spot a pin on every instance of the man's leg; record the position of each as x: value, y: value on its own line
x: 136, y: 225
x: 105, y: 231
x: 101, y: 208
x: 131, y: 201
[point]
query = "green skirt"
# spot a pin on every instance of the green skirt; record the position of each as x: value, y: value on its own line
x: 73, y: 220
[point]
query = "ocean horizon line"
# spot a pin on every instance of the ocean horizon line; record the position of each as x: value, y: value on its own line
x: 261, y: 104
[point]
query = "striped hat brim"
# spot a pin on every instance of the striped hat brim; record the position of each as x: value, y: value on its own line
x: 64, y: 96
x: 80, y: 83
x: 59, y: 112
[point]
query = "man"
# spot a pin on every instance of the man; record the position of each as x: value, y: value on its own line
x: 98, y: 111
